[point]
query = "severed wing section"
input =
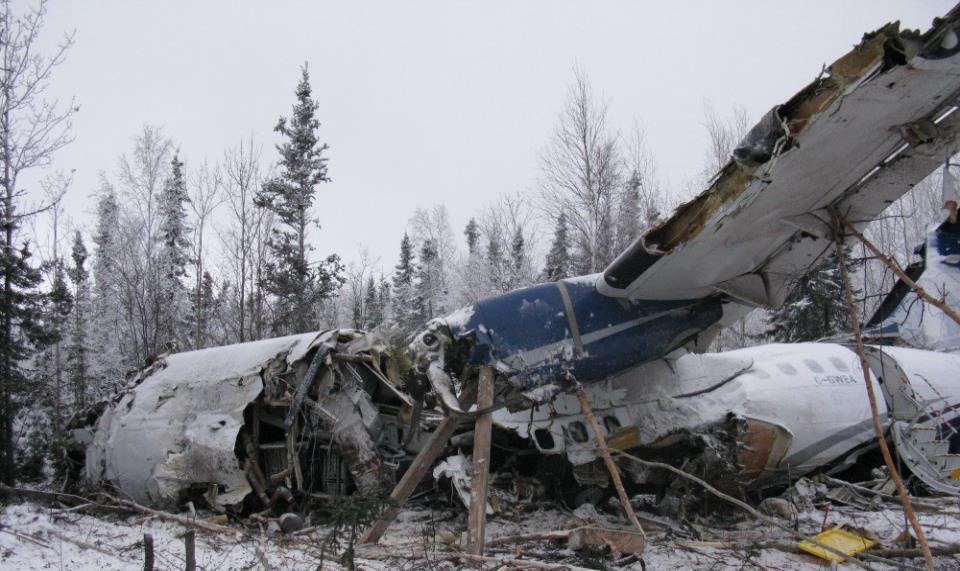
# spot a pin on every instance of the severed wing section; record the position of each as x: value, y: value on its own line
x: 879, y: 120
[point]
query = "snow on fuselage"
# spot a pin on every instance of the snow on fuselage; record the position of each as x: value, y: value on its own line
x: 804, y: 406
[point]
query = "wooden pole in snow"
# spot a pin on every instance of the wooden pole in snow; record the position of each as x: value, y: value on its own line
x: 481, y: 464
x: 874, y: 410
x: 608, y: 460
x: 147, y: 552
x: 892, y: 264
x: 190, y: 543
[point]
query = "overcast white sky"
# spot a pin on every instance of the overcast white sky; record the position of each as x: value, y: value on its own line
x: 432, y: 102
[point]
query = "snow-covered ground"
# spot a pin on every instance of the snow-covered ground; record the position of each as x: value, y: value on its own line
x: 34, y: 536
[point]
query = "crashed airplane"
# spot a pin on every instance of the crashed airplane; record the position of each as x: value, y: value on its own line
x: 217, y: 423
x: 876, y: 122
x: 327, y: 413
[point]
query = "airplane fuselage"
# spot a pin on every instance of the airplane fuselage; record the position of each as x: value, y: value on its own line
x: 544, y: 333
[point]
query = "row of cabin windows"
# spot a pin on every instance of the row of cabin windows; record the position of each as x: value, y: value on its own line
x: 577, y: 431
x: 814, y: 366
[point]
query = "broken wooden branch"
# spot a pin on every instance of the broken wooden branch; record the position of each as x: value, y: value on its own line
x: 82, y: 544
x: 839, y: 222
x: 411, y: 478
x: 951, y: 549
x: 892, y: 264
x: 24, y: 537
x: 561, y: 535
x: 608, y: 460
x: 743, y: 505
x: 190, y: 522
x: 521, y: 563
x: 481, y: 463
x: 878, y: 493
x: 52, y: 497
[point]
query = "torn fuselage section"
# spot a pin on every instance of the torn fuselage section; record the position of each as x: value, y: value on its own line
x: 747, y: 419
x: 256, y: 423
x: 542, y: 338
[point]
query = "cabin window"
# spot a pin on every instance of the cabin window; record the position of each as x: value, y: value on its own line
x: 786, y: 368
x: 760, y: 373
x: 839, y: 365
x: 577, y: 431
x: 544, y: 439
x: 813, y: 365
x: 611, y: 424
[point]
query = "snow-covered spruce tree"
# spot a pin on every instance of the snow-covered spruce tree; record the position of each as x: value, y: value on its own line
x: 297, y: 285
x: 472, y: 273
x: 427, y: 282
x: 405, y: 315
x: 78, y: 338
x: 472, y: 234
x: 496, y: 270
x: 50, y: 364
x: 205, y: 306
x: 383, y: 300
x: 107, y: 362
x: 519, y: 263
x: 373, y: 316
x: 558, y: 259
x: 815, y: 308
x: 629, y: 225
x: 173, y: 257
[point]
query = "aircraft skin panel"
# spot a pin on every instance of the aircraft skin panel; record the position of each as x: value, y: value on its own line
x: 813, y: 392
x: 838, y: 133
x: 535, y: 334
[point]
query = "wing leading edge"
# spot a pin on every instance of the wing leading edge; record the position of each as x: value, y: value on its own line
x: 857, y: 138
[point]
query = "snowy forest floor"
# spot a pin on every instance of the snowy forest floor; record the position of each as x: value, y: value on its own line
x: 35, y: 536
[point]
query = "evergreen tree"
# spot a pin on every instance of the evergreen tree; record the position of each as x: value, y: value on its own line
x: 558, y: 259
x: 173, y: 258
x: 629, y: 225
x: 427, y: 282
x: 518, y: 260
x: 52, y: 374
x: 77, y: 346
x: 383, y: 299
x: 297, y: 287
x: 405, y: 314
x: 495, y: 264
x: 107, y: 359
x: 472, y: 233
x: 816, y: 307
x: 204, y: 308
x: 374, y: 311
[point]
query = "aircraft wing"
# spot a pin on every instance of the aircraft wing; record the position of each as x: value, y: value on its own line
x: 876, y: 122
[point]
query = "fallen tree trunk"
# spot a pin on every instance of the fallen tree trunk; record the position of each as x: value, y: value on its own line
x: 190, y: 522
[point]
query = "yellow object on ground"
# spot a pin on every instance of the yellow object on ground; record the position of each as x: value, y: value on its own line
x: 839, y: 539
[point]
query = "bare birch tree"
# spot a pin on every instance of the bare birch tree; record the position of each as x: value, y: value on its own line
x: 241, y: 165
x: 581, y: 172
x: 205, y: 196
x: 33, y: 128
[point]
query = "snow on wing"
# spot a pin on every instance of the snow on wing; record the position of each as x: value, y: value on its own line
x: 856, y: 138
